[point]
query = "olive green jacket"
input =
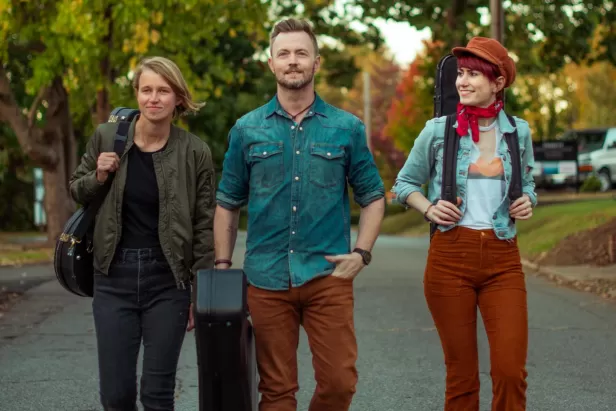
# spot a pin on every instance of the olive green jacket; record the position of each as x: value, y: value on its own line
x: 186, y: 183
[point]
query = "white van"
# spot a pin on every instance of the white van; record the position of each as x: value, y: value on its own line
x: 597, y: 154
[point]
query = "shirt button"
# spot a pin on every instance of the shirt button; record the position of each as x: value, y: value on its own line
x: 329, y: 154
x: 293, y: 232
x: 300, y: 129
x: 292, y: 127
x: 265, y: 153
x: 294, y: 208
x: 297, y: 152
x: 296, y: 178
x: 291, y: 251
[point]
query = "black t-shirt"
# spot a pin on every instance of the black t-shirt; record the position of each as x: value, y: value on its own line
x: 141, y: 202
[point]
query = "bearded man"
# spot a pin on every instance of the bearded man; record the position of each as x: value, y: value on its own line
x: 290, y: 162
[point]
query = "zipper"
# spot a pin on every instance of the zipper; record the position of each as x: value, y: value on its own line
x: 129, y: 144
x: 118, y: 210
x: 179, y: 281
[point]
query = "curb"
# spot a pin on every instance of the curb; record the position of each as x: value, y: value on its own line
x: 605, y: 288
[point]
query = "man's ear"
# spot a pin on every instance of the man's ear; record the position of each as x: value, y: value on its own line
x: 317, y: 63
x: 270, y: 63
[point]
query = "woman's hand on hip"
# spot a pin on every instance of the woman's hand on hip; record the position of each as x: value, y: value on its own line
x: 444, y: 212
x: 522, y: 208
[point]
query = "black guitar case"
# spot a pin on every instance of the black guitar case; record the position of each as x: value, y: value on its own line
x: 73, y: 252
x: 224, y: 337
x: 446, y: 100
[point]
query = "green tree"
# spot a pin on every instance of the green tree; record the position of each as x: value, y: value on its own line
x: 593, y: 91
x: 544, y: 34
x: 86, y: 49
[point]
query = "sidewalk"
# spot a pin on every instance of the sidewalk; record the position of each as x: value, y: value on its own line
x: 588, y: 278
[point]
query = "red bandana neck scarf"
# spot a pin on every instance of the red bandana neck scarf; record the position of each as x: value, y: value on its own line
x: 470, y: 115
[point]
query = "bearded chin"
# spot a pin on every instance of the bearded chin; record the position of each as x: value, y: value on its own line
x: 295, y: 85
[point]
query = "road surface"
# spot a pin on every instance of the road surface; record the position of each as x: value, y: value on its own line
x: 48, y: 360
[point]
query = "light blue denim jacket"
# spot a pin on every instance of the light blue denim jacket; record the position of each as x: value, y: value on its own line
x: 293, y: 177
x: 425, y: 163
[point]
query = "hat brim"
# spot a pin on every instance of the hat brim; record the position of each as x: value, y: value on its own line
x: 458, y: 51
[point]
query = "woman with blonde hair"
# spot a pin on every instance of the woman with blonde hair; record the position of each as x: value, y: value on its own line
x: 152, y: 232
x: 473, y: 260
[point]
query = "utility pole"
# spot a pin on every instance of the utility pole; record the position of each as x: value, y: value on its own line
x: 498, y: 20
x: 367, y: 109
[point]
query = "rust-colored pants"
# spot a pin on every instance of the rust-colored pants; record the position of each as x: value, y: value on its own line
x: 469, y: 268
x: 324, y: 307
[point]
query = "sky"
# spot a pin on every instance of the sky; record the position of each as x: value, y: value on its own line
x: 403, y: 40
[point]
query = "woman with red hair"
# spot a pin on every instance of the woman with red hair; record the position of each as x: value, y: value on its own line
x: 474, y: 259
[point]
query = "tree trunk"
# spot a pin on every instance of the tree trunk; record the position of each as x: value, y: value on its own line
x: 103, y: 108
x: 58, y: 204
x: 453, y: 24
x: 52, y: 146
x: 58, y: 132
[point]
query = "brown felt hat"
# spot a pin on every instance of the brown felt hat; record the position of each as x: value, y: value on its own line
x: 494, y: 52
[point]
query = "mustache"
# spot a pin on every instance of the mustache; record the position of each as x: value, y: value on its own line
x: 293, y: 70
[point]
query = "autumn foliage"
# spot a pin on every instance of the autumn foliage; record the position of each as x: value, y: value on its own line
x: 412, y: 105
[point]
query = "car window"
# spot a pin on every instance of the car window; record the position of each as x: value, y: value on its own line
x: 610, y: 140
x: 590, y: 140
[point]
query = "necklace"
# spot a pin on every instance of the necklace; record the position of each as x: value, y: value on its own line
x: 294, y: 116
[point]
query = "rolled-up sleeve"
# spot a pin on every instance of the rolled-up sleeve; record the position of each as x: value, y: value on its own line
x: 416, y: 169
x: 528, y: 164
x: 233, y: 189
x: 364, y: 176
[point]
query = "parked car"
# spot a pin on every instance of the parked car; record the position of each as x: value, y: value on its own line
x: 597, y: 155
x: 556, y: 163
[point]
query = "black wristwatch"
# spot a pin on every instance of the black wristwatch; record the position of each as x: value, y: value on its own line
x: 365, y: 255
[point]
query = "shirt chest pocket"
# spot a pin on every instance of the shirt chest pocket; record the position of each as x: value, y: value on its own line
x: 438, y: 155
x: 267, y: 164
x: 327, y: 165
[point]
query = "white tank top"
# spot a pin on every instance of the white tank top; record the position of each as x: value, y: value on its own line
x: 485, y: 186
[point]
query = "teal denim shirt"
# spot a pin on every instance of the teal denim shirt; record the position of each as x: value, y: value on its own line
x: 293, y: 178
x: 425, y: 163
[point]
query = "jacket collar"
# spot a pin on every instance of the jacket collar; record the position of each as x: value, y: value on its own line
x: 318, y: 107
x: 174, y: 134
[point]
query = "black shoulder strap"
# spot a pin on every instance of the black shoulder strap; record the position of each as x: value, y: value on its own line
x: 515, y: 187
x: 92, y: 208
x: 450, y: 160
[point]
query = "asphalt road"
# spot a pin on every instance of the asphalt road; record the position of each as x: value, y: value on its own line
x: 48, y: 361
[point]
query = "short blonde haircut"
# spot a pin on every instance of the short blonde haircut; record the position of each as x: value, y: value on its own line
x: 169, y: 71
x: 294, y: 26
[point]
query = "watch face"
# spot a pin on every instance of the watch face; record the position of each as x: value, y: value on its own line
x: 365, y: 255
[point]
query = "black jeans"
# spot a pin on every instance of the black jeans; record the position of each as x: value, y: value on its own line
x: 139, y: 300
